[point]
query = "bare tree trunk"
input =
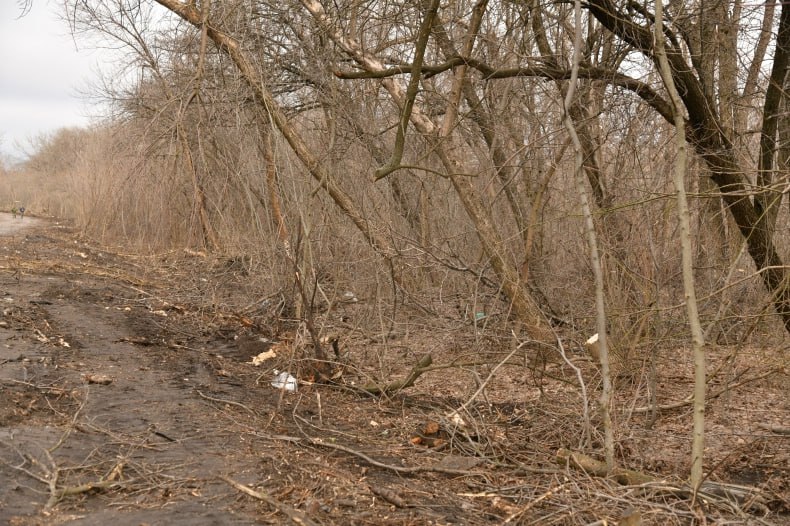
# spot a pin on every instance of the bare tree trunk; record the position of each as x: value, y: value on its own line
x: 577, y: 112
x: 208, y: 237
x: 697, y: 340
x: 274, y: 195
x: 767, y: 201
x: 481, y: 117
x: 592, y: 243
x: 705, y: 134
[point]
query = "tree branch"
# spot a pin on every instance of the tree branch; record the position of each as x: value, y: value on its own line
x: 642, y: 89
x: 411, y: 92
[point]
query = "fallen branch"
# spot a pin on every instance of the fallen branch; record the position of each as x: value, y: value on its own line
x: 689, y: 399
x: 398, y: 469
x: 746, y: 496
x: 597, y: 468
x: 294, y: 515
x: 779, y: 430
x: 56, y: 495
x: 50, y: 475
x: 373, y: 462
x: 397, y: 385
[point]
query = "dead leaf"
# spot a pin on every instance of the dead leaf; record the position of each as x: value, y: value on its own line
x: 194, y: 253
x: 456, y: 419
x: 40, y: 336
x: 100, y: 379
x: 431, y: 428
x: 389, y: 495
x: 262, y: 357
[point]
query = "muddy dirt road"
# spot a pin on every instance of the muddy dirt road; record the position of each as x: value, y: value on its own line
x: 127, y: 398
x: 10, y: 225
x: 102, y: 419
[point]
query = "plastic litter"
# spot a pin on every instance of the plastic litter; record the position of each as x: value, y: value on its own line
x: 285, y: 381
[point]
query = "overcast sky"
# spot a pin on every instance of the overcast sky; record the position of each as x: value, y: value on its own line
x: 41, y: 74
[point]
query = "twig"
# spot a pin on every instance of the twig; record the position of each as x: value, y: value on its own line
x: 295, y: 516
x: 398, y: 469
x: 487, y: 380
x: 73, y: 425
x: 773, y: 428
x: 24, y: 460
x: 689, y: 399
x: 582, y: 386
x: 714, y: 492
x: 223, y: 401
x: 88, y: 427
x: 34, y: 386
x: 397, y: 385
x: 533, y: 503
x: 52, y: 477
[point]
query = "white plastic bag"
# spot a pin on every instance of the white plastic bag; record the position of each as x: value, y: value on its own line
x: 285, y: 381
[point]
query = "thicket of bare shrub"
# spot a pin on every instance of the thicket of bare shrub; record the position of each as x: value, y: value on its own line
x: 182, y: 165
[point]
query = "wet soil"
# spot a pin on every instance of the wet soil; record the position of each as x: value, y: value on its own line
x: 127, y: 397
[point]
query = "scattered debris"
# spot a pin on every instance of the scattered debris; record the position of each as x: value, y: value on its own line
x: 100, y: 379
x: 284, y: 380
x: 430, y: 435
x: 263, y: 357
x: 39, y: 336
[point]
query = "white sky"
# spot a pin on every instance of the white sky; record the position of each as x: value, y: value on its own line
x: 41, y: 74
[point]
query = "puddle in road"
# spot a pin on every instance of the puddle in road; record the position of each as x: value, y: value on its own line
x: 10, y: 225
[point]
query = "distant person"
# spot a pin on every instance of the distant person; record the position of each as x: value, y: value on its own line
x: 13, y: 211
x: 22, y: 212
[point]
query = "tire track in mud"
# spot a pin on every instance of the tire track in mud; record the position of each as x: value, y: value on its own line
x: 147, y: 424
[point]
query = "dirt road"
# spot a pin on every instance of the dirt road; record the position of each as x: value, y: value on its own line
x: 10, y: 224
x: 101, y: 419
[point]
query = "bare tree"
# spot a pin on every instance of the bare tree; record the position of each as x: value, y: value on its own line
x: 706, y: 135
